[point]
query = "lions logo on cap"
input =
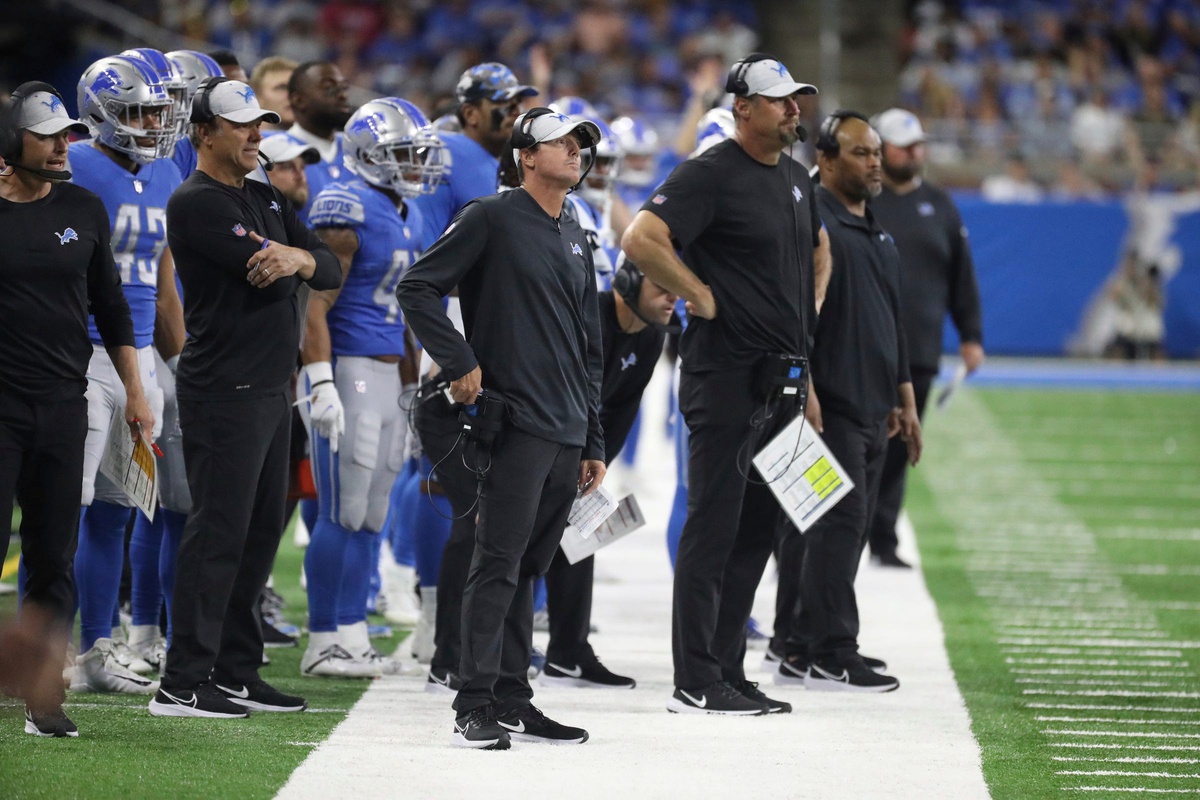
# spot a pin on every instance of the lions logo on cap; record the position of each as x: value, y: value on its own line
x: 247, y: 95
x: 54, y: 104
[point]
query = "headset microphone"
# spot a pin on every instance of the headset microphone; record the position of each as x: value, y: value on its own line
x: 45, y: 174
x: 801, y: 134
x: 268, y: 163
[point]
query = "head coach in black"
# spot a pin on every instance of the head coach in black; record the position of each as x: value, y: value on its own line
x: 938, y: 275
x: 862, y: 395
x: 242, y: 255
x: 525, y: 280
x: 744, y: 218
x: 634, y: 317
x: 57, y: 267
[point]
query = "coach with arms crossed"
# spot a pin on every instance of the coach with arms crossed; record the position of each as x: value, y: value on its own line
x: 745, y: 221
x: 525, y: 279
x: 242, y: 255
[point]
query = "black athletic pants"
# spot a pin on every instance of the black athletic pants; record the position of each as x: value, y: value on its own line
x: 438, y: 427
x: 826, y: 624
x: 41, y: 465
x: 236, y: 455
x: 730, y: 526
x: 527, y: 496
x: 569, y: 604
x: 882, y: 531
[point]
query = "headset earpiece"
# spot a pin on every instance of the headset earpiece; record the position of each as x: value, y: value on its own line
x: 735, y: 83
x: 627, y: 282
x: 10, y: 137
x: 521, y: 137
x: 827, y: 136
x: 201, y: 103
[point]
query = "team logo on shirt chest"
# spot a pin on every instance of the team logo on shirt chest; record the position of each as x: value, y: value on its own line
x: 576, y: 250
x: 925, y: 209
x: 69, y: 235
x: 796, y: 193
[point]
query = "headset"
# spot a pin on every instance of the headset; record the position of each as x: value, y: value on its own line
x: 202, y: 99
x: 627, y: 281
x: 735, y: 83
x: 827, y: 136
x: 521, y: 138
x: 11, y: 140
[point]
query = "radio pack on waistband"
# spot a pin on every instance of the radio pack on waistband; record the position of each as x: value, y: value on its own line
x: 782, y: 375
x: 483, y: 420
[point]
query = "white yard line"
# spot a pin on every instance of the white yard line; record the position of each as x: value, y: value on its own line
x: 917, y: 741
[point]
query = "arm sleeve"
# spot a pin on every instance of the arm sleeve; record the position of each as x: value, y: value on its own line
x: 328, y: 274
x: 106, y: 298
x: 964, y: 288
x: 594, y: 448
x: 686, y: 201
x: 431, y: 277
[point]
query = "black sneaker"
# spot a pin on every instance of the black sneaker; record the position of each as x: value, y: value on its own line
x: 273, y: 637
x: 716, y: 698
x: 529, y: 724
x: 442, y: 681
x: 50, y: 724
x: 855, y: 676
x: 751, y: 691
x: 261, y: 696
x: 583, y: 674
x: 890, y: 560
x: 874, y: 664
x: 791, y: 673
x: 203, y: 701
x: 771, y: 659
x: 479, y: 730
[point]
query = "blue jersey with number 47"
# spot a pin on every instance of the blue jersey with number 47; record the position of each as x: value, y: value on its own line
x: 137, y: 212
x: 365, y: 320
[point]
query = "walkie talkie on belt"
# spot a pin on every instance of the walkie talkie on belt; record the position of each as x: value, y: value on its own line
x: 782, y: 375
x: 483, y: 420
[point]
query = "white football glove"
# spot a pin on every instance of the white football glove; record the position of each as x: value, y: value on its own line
x: 327, y: 416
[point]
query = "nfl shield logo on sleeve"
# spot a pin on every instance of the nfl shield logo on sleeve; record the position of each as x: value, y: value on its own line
x: 659, y: 199
x: 239, y: 230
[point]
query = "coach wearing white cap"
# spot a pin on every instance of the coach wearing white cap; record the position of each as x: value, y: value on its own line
x: 242, y: 255
x: 937, y: 276
x: 533, y: 352
x: 284, y: 159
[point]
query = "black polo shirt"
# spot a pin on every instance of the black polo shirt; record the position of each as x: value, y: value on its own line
x: 629, y: 361
x: 938, y: 274
x: 528, y: 292
x: 861, y: 355
x: 748, y: 230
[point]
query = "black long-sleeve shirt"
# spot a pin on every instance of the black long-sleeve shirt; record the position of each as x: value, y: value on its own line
x: 629, y: 360
x: 56, y: 267
x: 242, y: 341
x: 528, y: 293
x: 938, y: 273
x: 861, y: 355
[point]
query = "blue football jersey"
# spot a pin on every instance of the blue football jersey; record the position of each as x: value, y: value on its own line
x: 137, y: 211
x: 469, y: 172
x: 365, y: 320
x: 603, y: 257
x: 184, y: 157
x: 320, y: 175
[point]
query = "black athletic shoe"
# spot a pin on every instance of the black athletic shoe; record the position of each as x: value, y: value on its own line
x: 751, y: 691
x: 854, y: 676
x: 203, y: 701
x: 890, y: 560
x: 442, y: 681
x: 50, y: 724
x: 791, y: 673
x: 874, y: 664
x: 273, y: 637
x: 261, y: 696
x: 529, y: 724
x: 583, y: 674
x: 716, y: 698
x: 479, y: 730
x: 771, y: 659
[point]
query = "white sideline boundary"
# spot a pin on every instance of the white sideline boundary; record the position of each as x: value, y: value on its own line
x: 914, y: 743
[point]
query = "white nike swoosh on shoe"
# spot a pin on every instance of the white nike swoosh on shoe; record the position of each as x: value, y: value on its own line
x: 701, y: 703
x: 242, y: 695
x: 843, y: 678
x: 439, y: 681
x: 518, y: 728
x: 181, y: 702
x: 571, y: 673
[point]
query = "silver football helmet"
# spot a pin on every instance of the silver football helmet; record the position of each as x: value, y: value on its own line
x: 602, y: 177
x: 128, y: 108
x: 193, y: 67
x: 390, y: 144
x: 639, y: 145
x: 172, y: 78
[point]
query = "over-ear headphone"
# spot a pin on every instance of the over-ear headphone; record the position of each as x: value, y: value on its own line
x: 735, y: 83
x: 521, y: 137
x: 202, y: 100
x: 827, y: 136
x: 11, y: 140
x: 627, y: 282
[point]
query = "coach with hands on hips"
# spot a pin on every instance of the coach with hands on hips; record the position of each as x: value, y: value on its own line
x: 745, y: 221
x: 57, y: 266
x: 242, y: 255
x: 526, y: 282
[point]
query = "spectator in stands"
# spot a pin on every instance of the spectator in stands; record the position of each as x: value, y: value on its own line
x: 1097, y: 129
x: 270, y: 81
x: 1014, y: 186
x: 230, y: 68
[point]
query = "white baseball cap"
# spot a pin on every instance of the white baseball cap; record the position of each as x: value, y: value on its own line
x: 551, y: 126
x: 236, y: 102
x: 899, y: 127
x: 770, y: 78
x: 43, y: 113
x: 284, y: 147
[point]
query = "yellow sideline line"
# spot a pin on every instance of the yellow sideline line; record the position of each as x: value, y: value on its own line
x: 10, y: 567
